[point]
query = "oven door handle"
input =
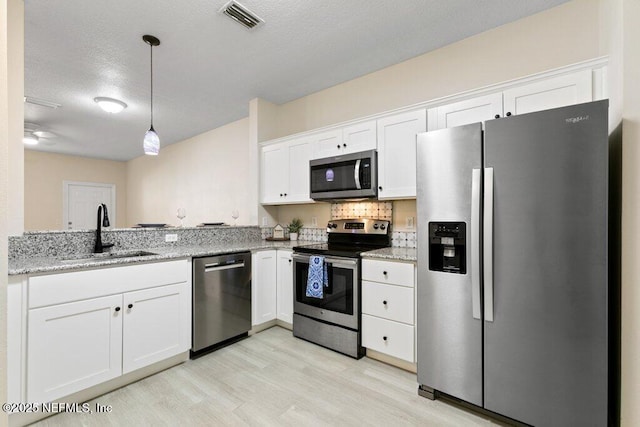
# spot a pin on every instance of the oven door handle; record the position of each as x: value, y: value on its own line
x: 346, y: 262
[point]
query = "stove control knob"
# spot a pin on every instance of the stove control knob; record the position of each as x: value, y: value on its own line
x: 375, y: 226
x: 382, y: 226
x: 334, y: 225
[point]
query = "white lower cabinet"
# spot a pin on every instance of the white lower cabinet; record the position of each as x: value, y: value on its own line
x: 263, y: 286
x: 128, y: 318
x: 388, y: 308
x: 154, y: 320
x: 73, y: 346
x: 285, y: 286
x: 272, y: 286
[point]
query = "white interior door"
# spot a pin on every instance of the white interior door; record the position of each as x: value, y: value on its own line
x: 81, y: 200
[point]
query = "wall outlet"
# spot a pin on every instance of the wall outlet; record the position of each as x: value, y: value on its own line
x: 314, y: 221
x: 265, y: 221
x: 411, y: 222
x: 170, y: 237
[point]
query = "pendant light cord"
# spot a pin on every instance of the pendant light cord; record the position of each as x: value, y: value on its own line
x: 151, y: 47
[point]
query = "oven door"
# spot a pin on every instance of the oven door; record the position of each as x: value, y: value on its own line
x: 340, y: 303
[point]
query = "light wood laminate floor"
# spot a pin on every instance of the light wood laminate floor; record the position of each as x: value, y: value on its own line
x: 274, y: 379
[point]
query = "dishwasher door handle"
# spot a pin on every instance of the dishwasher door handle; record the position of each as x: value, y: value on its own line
x: 208, y: 268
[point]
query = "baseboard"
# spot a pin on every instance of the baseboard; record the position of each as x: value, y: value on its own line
x: 394, y: 361
x: 262, y: 326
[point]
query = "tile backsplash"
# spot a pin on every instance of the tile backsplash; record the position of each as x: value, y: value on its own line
x: 375, y: 210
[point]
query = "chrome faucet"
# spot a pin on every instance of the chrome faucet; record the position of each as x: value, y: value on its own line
x: 103, y: 220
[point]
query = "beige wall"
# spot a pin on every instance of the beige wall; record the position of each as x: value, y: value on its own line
x: 208, y: 175
x: 43, y: 177
x: 16, y: 116
x: 631, y: 214
x: 560, y: 36
x: 4, y: 205
x: 554, y: 38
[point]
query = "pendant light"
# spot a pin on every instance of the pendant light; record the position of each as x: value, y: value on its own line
x: 151, y: 140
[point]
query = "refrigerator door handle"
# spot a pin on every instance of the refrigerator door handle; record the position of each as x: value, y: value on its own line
x: 475, y: 243
x: 488, y: 244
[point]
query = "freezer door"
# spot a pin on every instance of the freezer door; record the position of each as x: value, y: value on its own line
x: 449, y: 336
x: 545, y: 359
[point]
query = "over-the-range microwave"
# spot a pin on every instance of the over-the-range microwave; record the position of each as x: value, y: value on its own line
x: 350, y: 176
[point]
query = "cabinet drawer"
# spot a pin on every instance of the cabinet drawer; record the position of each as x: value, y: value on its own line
x: 79, y: 285
x: 390, y: 302
x: 396, y: 273
x: 389, y: 337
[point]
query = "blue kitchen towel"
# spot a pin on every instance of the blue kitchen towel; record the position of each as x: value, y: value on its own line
x: 317, y: 277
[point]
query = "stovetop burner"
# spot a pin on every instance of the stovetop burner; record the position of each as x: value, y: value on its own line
x: 350, y: 237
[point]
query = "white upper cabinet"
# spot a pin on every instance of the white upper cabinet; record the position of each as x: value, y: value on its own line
x: 553, y: 92
x: 350, y: 139
x: 274, y: 174
x: 568, y: 89
x: 285, y: 172
x: 397, y: 154
x: 299, y: 156
x: 464, y: 112
x: 359, y: 137
x: 326, y: 144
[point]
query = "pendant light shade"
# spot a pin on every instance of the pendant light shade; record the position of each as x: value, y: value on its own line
x: 151, y: 143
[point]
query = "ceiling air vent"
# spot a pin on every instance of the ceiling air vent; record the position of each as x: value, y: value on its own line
x: 241, y: 14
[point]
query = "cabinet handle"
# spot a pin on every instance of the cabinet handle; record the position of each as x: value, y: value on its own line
x: 508, y: 113
x: 280, y: 194
x: 497, y: 116
x: 384, y: 302
x: 384, y: 272
x: 290, y: 260
x: 344, y: 145
x: 117, y: 308
x: 338, y: 146
x: 285, y: 194
x: 130, y: 306
x: 380, y: 188
x: 384, y: 338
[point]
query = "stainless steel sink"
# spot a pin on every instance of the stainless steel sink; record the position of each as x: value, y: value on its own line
x: 107, y: 255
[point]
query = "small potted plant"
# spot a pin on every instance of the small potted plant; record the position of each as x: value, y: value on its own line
x: 294, y: 228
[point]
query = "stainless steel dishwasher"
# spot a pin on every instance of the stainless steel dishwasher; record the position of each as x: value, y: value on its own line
x: 221, y: 300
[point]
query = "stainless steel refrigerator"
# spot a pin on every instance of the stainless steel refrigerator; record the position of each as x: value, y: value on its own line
x: 512, y: 265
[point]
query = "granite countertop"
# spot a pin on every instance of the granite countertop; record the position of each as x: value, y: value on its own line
x: 397, y: 254
x: 32, y: 265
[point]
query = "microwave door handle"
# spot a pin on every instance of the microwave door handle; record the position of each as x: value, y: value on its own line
x: 356, y: 174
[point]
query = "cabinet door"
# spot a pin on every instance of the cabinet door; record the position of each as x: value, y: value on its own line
x: 569, y: 89
x: 298, y: 177
x: 397, y: 154
x: 156, y: 325
x: 326, y: 144
x: 285, y: 286
x: 73, y: 346
x: 468, y: 111
x: 263, y: 286
x: 359, y: 137
x: 274, y: 173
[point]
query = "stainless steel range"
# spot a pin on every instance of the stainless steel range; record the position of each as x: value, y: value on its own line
x: 332, y: 320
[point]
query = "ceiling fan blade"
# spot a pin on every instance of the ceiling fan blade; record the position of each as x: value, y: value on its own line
x: 44, y: 134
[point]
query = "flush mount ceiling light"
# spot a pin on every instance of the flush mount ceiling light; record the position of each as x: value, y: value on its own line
x: 151, y: 141
x: 110, y: 105
x: 30, y: 139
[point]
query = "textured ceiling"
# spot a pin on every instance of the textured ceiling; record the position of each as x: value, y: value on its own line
x: 208, y: 67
